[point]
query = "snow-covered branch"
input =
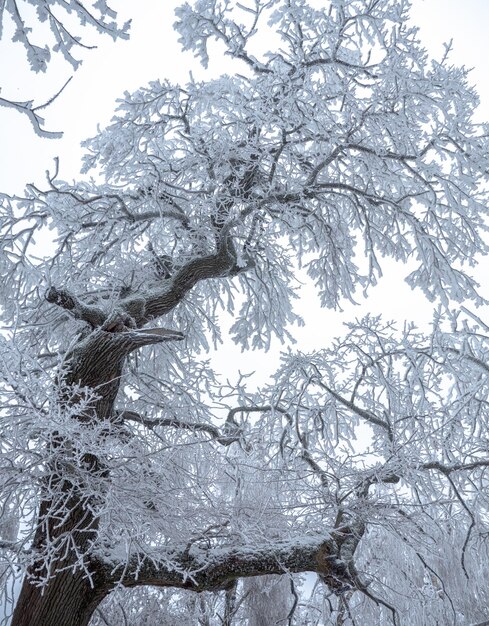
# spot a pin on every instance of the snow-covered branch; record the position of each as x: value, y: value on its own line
x: 212, y: 569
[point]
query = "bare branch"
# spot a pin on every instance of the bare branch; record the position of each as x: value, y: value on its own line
x: 36, y: 120
x: 213, y: 431
x: 366, y: 415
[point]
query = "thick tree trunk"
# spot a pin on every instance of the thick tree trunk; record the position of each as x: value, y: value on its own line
x: 70, y: 595
x: 68, y: 600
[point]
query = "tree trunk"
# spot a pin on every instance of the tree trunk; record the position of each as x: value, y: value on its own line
x: 71, y: 593
x: 70, y: 596
x: 68, y: 600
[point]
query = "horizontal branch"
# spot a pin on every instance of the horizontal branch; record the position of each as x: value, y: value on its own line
x: 454, y: 467
x: 257, y: 409
x: 224, y: 439
x: 232, y: 432
x: 211, y: 569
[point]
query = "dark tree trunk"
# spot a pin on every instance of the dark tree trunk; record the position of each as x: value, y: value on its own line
x: 68, y: 600
x: 71, y: 595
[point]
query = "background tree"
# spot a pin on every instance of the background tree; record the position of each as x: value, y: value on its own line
x: 127, y: 463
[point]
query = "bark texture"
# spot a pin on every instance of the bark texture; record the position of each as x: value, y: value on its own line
x: 71, y: 597
x: 68, y: 600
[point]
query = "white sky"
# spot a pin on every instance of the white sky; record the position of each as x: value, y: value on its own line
x: 153, y: 53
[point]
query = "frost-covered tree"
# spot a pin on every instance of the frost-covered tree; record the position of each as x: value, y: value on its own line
x: 128, y: 466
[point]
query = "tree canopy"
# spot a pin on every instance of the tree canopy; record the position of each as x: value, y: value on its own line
x: 131, y: 473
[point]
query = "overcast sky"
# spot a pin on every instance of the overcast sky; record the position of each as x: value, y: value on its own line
x: 153, y: 52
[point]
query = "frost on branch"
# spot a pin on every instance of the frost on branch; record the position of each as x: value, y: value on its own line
x: 130, y: 462
x: 63, y: 40
x: 97, y: 15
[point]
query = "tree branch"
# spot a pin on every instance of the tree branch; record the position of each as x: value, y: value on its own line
x: 35, y: 119
x: 366, y: 415
x: 454, y: 467
x: 147, y: 306
x: 215, y: 433
x: 470, y: 358
x: 93, y: 315
x: 200, y: 569
x: 161, y: 302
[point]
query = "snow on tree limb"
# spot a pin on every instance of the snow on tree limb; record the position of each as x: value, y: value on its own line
x: 200, y: 570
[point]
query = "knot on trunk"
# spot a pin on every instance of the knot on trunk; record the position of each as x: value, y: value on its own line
x: 332, y: 570
x: 119, y: 322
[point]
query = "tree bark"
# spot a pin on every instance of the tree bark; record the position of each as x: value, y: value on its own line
x: 71, y: 597
x: 68, y: 600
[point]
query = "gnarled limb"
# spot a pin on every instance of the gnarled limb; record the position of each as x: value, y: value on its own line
x: 93, y: 315
x: 157, y: 302
x: 200, y: 569
x: 161, y: 301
